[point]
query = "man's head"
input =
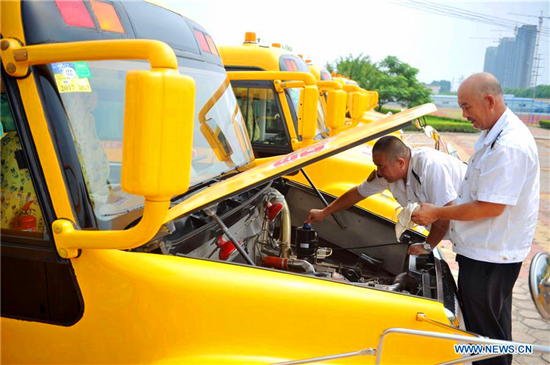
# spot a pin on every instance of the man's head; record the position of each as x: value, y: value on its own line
x: 480, y: 97
x: 391, y: 157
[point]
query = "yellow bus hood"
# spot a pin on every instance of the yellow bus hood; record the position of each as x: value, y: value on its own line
x: 283, y: 165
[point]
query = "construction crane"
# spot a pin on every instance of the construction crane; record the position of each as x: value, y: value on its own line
x: 535, y: 67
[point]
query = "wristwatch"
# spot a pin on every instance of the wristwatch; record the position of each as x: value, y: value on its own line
x: 427, y: 247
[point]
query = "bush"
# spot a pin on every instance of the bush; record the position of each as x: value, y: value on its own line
x: 441, y: 124
x: 545, y: 124
x: 446, y: 126
x: 433, y: 117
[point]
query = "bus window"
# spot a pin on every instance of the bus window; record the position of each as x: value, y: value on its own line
x: 263, y: 118
x: 21, y: 213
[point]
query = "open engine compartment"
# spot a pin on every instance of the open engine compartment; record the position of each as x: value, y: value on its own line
x: 267, y: 222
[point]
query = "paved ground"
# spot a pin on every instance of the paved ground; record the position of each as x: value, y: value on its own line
x: 527, y: 325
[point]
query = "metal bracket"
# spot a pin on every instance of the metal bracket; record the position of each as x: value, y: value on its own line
x: 14, y: 57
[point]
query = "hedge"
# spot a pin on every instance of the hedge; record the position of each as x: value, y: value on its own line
x: 434, y: 117
x: 443, y: 126
x: 545, y: 124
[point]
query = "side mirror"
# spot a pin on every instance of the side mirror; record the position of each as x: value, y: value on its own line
x: 156, y: 162
x: 336, y: 110
x: 307, y: 114
x: 358, y: 105
x: 539, y: 283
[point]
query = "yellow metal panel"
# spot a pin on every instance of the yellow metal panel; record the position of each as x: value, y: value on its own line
x: 10, y: 21
x: 147, y: 308
x: 329, y: 85
x: 250, y: 54
x: 292, y: 161
x: 271, y: 75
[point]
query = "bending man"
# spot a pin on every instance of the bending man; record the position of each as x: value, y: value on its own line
x: 417, y: 175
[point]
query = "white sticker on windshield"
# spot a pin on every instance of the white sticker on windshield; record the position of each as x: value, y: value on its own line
x: 72, y: 77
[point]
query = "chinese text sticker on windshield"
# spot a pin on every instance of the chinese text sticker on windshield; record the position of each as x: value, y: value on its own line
x: 72, y: 77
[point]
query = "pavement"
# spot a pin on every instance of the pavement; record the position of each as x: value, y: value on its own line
x: 527, y: 324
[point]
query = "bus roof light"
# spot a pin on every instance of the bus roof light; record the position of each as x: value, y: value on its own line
x: 276, y: 45
x: 107, y: 16
x: 212, y: 45
x: 75, y: 13
x: 250, y: 37
x: 202, y: 41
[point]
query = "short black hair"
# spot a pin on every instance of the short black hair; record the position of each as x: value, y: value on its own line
x: 392, y: 147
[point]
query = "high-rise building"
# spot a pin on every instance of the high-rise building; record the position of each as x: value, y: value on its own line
x: 512, y: 61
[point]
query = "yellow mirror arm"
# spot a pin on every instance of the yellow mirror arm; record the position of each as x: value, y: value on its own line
x: 18, y: 58
x: 68, y: 239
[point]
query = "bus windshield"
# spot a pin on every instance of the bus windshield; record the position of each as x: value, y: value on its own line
x: 92, y: 94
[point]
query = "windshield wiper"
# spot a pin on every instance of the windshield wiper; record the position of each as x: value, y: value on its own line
x: 220, y: 177
x: 196, y: 187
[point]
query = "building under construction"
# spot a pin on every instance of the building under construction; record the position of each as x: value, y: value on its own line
x: 512, y: 60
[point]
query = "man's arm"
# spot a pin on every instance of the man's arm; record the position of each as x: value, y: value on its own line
x: 348, y: 199
x: 471, y: 211
x: 437, y: 232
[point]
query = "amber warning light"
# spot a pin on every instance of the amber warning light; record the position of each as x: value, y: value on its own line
x: 75, y: 13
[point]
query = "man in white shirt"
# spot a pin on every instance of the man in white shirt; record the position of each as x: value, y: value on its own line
x: 494, y: 217
x: 413, y: 175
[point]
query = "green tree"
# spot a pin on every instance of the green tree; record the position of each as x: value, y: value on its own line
x: 397, y: 83
x: 394, y: 80
x: 360, y: 69
x: 445, y: 86
x: 542, y: 91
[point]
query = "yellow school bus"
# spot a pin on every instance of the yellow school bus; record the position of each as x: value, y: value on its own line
x: 261, y: 78
x: 183, y: 252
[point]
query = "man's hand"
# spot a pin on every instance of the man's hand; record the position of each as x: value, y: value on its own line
x: 315, y: 215
x: 417, y: 250
x: 425, y: 215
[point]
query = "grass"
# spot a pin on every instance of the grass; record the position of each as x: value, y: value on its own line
x: 544, y: 124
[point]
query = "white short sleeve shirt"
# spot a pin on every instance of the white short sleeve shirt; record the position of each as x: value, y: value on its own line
x: 433, y: 177
x: 504, y: 169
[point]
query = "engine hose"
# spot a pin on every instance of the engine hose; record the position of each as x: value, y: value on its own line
x: 285, y: 230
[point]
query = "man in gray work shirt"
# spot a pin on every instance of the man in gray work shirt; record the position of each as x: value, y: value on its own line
x: 413, y: 175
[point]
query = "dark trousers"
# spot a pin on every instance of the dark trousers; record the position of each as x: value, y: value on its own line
x: 486, y: 292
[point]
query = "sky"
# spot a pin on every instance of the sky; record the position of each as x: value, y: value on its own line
x: 441, y: 47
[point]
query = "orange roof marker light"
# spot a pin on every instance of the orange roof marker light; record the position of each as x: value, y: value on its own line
x: 107, y: 16
x: 276, y: 45
x: 250, y: 37
x: 75, y: 13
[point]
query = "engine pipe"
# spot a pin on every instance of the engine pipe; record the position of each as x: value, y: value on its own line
x: 211, y: 211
